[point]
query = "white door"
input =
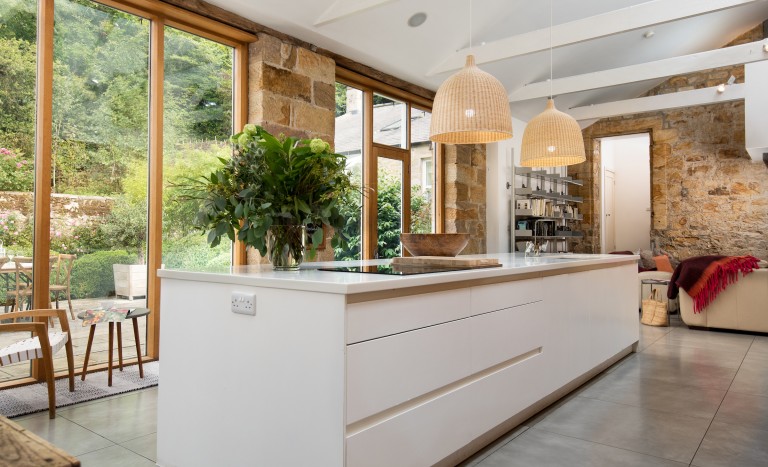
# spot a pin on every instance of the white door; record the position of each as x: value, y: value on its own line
x: 608, y: 213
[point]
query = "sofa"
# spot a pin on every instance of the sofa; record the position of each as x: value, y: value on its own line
x: 742, y: 306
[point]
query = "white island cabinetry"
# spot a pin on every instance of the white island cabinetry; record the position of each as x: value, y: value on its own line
x: 341, y: 369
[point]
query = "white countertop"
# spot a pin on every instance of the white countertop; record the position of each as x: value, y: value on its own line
x: 308, y: 278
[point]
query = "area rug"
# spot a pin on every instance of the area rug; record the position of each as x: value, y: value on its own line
x: 34, y: 397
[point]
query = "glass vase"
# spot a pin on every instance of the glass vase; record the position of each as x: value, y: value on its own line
x: 285, y: 246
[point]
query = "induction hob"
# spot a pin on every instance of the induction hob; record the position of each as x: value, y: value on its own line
x: 400, y: 270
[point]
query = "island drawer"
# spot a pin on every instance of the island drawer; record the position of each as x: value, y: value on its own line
x: 383, y: 373
x: 378, y: 318
x: 494, y: 297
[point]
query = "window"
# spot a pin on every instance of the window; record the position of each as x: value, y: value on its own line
x: 132, y: 95
x: 397, y: 161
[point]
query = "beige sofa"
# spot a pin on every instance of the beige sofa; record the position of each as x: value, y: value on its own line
x: 742, y: 306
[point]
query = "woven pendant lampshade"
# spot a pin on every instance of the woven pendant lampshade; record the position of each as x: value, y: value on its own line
x: 552, y: 139
x: 470, y: 107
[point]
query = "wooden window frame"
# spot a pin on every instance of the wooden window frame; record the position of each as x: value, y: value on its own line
x: 160, y: 14
x: 371, y: 150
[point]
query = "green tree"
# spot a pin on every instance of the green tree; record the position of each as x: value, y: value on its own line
x: 17, y: 94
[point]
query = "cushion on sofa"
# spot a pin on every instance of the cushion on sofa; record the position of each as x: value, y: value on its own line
x: 663, y: 264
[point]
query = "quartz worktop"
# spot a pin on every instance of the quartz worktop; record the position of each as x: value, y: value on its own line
x: 310, y: 279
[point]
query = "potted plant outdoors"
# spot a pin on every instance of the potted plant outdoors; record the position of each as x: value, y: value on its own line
x: 126, y: 228
x: 270, y: 190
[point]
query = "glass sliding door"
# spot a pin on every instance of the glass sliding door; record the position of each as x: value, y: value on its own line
x: 18, y: 57
x: 98, y: 209
x: 197, y: 105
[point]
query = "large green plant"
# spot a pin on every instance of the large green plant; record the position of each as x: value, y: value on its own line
x: 270, y: 181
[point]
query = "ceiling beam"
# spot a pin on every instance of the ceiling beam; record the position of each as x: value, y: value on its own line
x: 613, y: 22
x: 343, y: 8
x: 661, y: 102
x: 674, y: 66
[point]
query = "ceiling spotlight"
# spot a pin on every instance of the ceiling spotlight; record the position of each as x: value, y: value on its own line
x: 721, y: 88
x: 417, y: 19
x: 649, y: 34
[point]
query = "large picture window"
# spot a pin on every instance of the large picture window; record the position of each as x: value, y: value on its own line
x: 385, y: 136
x: 104, y: 107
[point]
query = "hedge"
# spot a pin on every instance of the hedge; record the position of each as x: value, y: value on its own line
x: 92, y: 275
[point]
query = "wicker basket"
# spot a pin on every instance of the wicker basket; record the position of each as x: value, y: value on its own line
x: 654, y: 311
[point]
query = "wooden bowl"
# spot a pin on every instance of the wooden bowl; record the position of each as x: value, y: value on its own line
x: 445, y: 244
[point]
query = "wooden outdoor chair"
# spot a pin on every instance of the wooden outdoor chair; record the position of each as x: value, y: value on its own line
x: 23, y: 289
x: 61, y: 276
x: 43, y: 343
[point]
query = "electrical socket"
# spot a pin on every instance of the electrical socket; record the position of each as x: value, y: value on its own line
x: 243, y: 303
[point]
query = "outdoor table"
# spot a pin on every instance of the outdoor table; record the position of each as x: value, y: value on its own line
x: 6, y: 271
x: 133, y: 316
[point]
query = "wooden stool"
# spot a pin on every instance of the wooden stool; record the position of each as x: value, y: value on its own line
x: 133, y: 316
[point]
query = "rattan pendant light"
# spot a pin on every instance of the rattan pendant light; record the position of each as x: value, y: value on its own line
x: 552, y: 138
x: 470, y: 107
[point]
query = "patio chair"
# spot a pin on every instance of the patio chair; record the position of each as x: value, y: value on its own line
x: 23, y: 288
x: 43, y: 343
x: 61, y: 279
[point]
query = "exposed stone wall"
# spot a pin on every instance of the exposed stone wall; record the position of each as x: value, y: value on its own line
x: 465, y: 208
x: 291, y: 91
x: 708, y: 197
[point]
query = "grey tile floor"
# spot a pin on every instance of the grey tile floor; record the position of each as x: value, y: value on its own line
x: 687, y: 397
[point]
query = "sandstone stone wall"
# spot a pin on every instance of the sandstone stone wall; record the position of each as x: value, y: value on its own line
x: 291, y: 90
x: 708, y: 197
x: 465, y: 208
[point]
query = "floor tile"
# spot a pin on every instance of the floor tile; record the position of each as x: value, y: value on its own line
x: 760, y: 345
x: 118, y: 419
x: 543, y: 449
x: 657, y: 395
x: 63, y: 433
x: 752, y: 378
x: 669, y: 436
x: 478, y: 457
x: 704, y: 356
x: 729, y: 445
x: 145, y: 446
x: 115, y: 456
x: 706, y: 339
x: 677, y: 371
x: 744, y: 410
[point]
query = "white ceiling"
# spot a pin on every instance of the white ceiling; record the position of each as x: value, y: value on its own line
x: 376, y: 33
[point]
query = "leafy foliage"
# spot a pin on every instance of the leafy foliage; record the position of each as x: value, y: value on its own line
x: 272, y: 181
x: 92, y: 274
x: 389, y: 200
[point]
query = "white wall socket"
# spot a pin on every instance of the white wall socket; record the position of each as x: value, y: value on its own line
x: 243, y: 303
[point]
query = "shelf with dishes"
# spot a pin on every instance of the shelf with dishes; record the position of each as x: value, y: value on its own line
x: 543, y: 175
x: 543, y: 209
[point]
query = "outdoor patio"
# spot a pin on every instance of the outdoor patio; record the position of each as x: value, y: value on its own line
x: 99, y: 350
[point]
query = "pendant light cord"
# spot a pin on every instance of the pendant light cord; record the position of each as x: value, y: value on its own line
x: 470, y: 26
x: 550, y: 48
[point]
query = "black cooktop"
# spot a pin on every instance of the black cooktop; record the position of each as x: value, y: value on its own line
x: 399, y: 270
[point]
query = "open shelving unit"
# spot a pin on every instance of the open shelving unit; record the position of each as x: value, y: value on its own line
x: 542, y: 209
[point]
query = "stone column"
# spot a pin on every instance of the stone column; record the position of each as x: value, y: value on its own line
x: 465, y: 207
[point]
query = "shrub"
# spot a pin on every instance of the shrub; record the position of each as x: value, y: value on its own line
x: 16, y: 170
x: 92, y: 275
x: 192, y: 252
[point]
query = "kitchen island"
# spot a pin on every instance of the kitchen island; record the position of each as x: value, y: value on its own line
x: 349, y: 369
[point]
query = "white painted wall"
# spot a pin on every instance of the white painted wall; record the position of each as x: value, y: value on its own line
x: 629, y: 158
x: 498, y: 198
